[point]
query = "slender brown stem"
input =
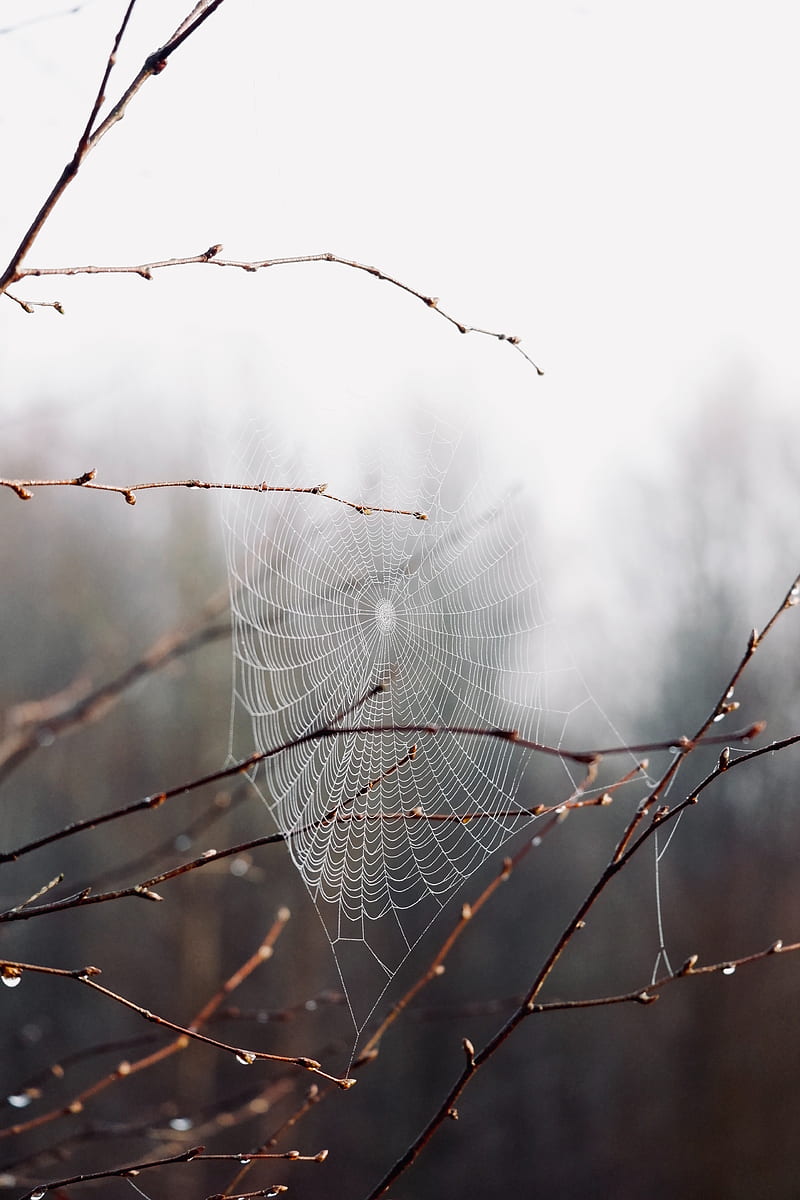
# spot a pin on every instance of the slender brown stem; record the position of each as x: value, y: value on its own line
x: 621, y: 856
x: 586, y: 757
x: 24, y: 488
x: 92, y: 133
x: 35, y: 723
x: 210, y: 257
x: 85, y: 976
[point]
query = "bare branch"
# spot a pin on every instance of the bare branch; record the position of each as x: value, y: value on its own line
x: 210, y: 257
x: 622, y: 855
x: 92, y: 133
x: 243, y: 766
x: 34, y: 723
x: 86, y: 976
x: 24, y: 488
x: 128, y: 1069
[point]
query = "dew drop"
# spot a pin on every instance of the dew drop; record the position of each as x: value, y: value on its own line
x: 11, y: 977
x: 730, y: 969
x: 181, y: 1124
x: 310, y: 1006
x: 38, y: 1192
x: 20, y: 1100
x: 182, y: 841
x: 239, y: 866
x: 244, y: 1160
x: 245, y: 1058
x: 537, y: 841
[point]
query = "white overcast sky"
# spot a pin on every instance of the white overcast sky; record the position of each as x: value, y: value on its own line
x: 616, y: 181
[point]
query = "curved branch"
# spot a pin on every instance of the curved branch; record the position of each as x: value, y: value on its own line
x: 210, y: 257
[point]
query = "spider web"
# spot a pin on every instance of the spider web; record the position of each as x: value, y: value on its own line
x: 352, y: 620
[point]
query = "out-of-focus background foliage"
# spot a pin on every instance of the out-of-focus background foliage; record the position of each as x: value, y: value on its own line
x: 549, y: 174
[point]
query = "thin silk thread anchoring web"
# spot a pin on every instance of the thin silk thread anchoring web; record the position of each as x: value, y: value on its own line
x: 346, y: 618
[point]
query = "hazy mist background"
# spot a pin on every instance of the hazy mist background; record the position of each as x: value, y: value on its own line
x: 614, y: 183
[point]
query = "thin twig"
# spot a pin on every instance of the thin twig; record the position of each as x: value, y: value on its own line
x: 585, y: 757
x: 211, y: 257
x: 625, y: 849
x: 85, y: 976
x: 127, y: 1068
x: 33, y: 724
x: 92, y: 133
x: 24, y: 488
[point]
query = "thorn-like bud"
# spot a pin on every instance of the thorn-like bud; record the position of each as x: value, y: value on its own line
x: 146, y: 893
x: 752, y: 641
x: 466, y: 912
x: 689, y: 965
x: 776, y: 947
x: 129, y: 497
x: 213, y: 251
x: 724, y: 759
x: 452, y: 1114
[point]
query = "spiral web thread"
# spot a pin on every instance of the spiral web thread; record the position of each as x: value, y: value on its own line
x: 445, y: 615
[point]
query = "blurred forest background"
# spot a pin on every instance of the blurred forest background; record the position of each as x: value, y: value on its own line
x: 667, y: 528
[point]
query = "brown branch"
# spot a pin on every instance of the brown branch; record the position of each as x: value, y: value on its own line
x: 144, y: 889
x: 622, y: 854
x: 92, y: 133
x: 85, y: 976
x: 127, y: 1069
x: 724, y: 705
x: 645, y: 995
x: 586, y: 757
x: 121, y: 1172
x: 23, y: 489
x: 650, y: 993
x: 195, y: 1154
x: 34, y: 723
x: 211, y: 257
